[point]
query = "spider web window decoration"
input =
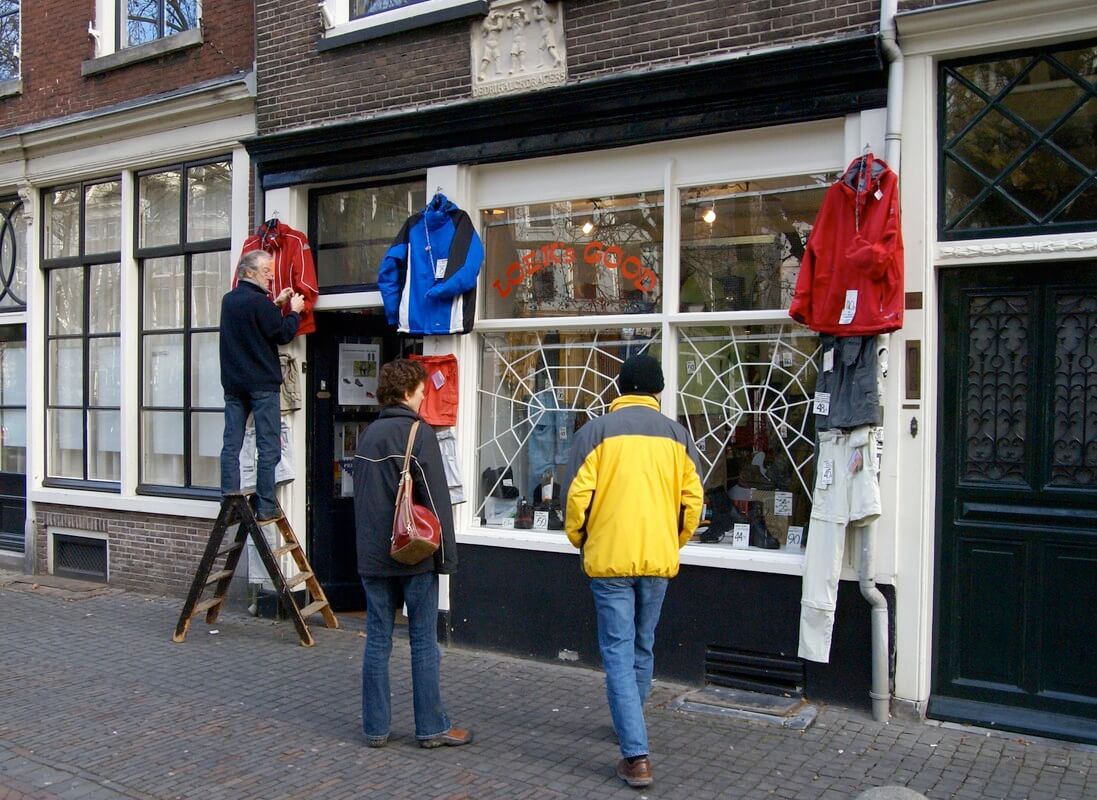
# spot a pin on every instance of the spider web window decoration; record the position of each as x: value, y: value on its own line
x: 537, y: 389
x: 749, y: 388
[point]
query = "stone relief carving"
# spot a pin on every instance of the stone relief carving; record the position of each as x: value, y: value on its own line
x: 517, y: 47
x: 1016, y: 248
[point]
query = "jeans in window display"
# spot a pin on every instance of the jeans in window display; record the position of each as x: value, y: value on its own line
x: 384, y: 596
x: 550, y: 442
x: 628, y: 610
x: 264, y: 406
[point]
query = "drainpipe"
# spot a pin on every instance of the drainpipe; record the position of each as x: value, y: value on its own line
x: 893, y: 136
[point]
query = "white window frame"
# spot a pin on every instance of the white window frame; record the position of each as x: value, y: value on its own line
x: 106, y: 28
x: 335, y: 15
x: 14, y: 84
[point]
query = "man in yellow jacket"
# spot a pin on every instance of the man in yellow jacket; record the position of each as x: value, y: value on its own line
x: 634, y: 494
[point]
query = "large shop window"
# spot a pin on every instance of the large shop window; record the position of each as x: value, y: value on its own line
x: 1018, y: 152
x: 81, y: 240
x: 355, y: 226
x: 13, y: 255
x: 574, y: 257
x: 13, y: 400
x: 183, y: 246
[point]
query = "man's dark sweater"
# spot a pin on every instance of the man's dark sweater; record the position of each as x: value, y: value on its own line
x: 252, y: 327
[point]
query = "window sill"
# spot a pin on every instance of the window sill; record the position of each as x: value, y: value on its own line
x: 419, y: 15
x: 142, y: 52
x: 11, y: 87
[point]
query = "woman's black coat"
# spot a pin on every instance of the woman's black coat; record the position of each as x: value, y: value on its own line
x: 377, y: 465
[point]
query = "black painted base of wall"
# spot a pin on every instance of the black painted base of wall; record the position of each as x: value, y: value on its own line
x: 535, y: 605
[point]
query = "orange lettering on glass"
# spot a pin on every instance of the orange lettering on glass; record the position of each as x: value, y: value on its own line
x: 558, y: 254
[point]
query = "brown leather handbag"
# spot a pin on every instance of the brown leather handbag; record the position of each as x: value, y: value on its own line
x: 416, y: 531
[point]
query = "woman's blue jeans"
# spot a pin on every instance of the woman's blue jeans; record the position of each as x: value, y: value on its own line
x: 384, y: 596
x: 628, y: 610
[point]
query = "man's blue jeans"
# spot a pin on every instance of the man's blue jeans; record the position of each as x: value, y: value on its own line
x: 264, y: 406
x: 628, y: 611
x: 384, y: 597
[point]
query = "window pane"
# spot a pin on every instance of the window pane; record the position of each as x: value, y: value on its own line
x: 181, y: 15
x: 104, y: 445
x: 207, y: 432
x: 536, y: 390
x: 66, y: 312
x: 205, y: 374
x: 158, y: 200
x: 354, y: 228
x: 744, y: 394
x: 13, y: 373
x: 210, y: 279
x: 65, y: 430
x: 162, y: 280
x: 103, y: 217
x: 9, y: 40
x: 363, y: 8
x: 143, y: 21
x: 63, y: 223
x: 104, y: 372
x: 575, y: 258
x: 66, y: 372
x: 13, y: 441
x: 163, y: 370
x: 13, y: 255
x: 742, y: 242
x: 209, y: 202
x: 105, y: 299
x: 162, y: 448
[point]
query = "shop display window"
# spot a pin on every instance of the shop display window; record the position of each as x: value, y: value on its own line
x: 537, y: 389
x: 582, y: 257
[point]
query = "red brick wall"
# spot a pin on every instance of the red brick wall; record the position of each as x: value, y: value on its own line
x: 299, y: 86
x: 55, y: 42
x: 148, y: 554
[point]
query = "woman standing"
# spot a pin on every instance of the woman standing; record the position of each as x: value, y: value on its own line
x: 388, y: 583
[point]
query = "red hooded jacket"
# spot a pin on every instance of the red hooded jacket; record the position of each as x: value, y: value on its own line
x: 293, y: 266
x: 851, y: 276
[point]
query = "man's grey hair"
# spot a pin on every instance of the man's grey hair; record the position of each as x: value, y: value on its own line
x: 248, y: 265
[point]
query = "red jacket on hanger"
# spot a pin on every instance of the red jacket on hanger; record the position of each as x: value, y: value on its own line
x: 851, y: 276
x: 293, y: 266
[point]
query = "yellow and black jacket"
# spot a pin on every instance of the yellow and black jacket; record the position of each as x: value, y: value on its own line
x: 633, y: 491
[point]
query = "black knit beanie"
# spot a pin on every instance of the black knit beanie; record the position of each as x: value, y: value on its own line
x: 640, y: 375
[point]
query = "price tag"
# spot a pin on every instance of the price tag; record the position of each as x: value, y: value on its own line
x: 856, y: 462
x: 849, y: 310
x: 559, y: 396
x: 438, y: 379
x: 701, y: 445
x: 786, y: 358
x: 508, y: 522
x: 782, y: 504
x: 878, y: 195
x: 794, y: 540
x: 691, y: 367
x: 822, y: 403
x: 826, y: 473
x: 540, y: 520
x: 782, y: 430
x: 828, y: 361
x: 740, y: 536
x: 563, y: 433
x: 440, y: 268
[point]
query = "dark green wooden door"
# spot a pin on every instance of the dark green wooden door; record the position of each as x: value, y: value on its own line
x: 1016, y: 584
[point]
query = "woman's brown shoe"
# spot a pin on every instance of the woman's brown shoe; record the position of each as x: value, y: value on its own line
x: 637, y: 774
x: 454, y: 737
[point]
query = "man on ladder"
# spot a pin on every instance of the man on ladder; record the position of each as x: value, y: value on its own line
x: 252, y: 327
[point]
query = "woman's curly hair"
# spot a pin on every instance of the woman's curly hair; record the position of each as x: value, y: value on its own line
x: 397, y: 379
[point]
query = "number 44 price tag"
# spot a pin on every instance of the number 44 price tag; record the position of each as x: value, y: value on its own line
x: 795, y: 538
x: 740, y: 536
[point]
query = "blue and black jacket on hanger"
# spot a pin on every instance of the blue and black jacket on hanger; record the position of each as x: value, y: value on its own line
x: 428, y: 276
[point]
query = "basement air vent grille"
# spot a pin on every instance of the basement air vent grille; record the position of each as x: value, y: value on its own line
x: 754, y: 672
x: 79, y: 557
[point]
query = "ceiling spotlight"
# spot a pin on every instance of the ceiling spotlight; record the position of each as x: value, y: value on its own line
x: 588, y: 226
x: 710, y: 215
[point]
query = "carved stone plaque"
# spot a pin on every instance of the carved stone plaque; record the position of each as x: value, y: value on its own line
x: 517, y: 47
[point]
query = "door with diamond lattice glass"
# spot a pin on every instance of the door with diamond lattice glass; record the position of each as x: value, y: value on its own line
x: 1016, y: 630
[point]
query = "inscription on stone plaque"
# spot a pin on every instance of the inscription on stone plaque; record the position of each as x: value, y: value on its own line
x: 518, y: 47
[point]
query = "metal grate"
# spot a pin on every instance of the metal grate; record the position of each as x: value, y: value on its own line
x: 754, y: 672
x: 79, y: 557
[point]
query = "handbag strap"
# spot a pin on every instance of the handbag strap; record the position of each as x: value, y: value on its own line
x: 411, y: 442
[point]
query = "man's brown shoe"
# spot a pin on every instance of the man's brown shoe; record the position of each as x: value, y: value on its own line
x: 454, y: 737
x: 637, y: 774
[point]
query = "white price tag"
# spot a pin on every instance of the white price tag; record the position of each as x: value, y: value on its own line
x: 563, y: 433
x: 540, y: 520
x: 849, y: 310
x: 826, y: 473
x: 691, y: 367
x: 878, y: 195
x: 701, y: 445
x: 440, y: 268
x: 508, y: 522
x: 828, y: 361
x: 822, y: 403
x: 794, y: 540
x: 782, y: 430
x: 438, y: 379
x: 782, y: 504
x: 740, y: 536
x: 786, y: 358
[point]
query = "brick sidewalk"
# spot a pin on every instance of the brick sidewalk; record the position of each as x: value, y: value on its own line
x: 99, y: 703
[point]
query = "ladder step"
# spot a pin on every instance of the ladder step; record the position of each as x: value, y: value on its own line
x: 313, y: 607
x: 232, y: 548
x: 298, y: 579
x: 206, y: 605
x: 286, y: 548
x: 216, y: 576
x: 274, y: 521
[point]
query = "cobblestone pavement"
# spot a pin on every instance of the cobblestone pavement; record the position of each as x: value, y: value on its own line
x: 97, y: 702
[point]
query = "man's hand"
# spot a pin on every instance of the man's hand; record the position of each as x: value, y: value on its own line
x: 296, y: 302
x: 283, y: 296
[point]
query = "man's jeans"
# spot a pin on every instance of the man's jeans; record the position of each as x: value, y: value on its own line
x: 628, y: 611
x: 264, y: 406
x: 383, y: 598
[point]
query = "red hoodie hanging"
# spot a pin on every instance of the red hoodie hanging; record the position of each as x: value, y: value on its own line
x: 293, y: 266
x: 851, y: 276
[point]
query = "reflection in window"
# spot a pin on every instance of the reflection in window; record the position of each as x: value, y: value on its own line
x: 574, y: 257
x: 365, y: 8
x: 1018, y: 145
x: 149, y: 20
x: 13, y: 255
x: 13, y: 401
x: 742, y: 242
x: 9, y: 39
x: 355, y: 226
x: 537, y: 389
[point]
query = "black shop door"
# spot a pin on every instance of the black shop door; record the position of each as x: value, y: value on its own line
x: 343, y: 357
x: 1016, y: 616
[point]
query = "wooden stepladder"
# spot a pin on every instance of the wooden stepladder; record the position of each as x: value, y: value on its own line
x: 237, y: 522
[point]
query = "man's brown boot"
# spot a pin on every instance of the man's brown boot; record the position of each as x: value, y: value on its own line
x: 637, y: 774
